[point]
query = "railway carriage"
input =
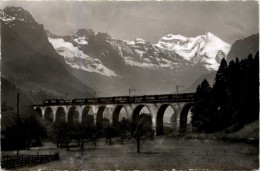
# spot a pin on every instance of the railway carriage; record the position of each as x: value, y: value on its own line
x: 121, y: 99
x: 138, y: 99
x: 68, y: 101
x: 53, y: 101
x: 105, y: 99
x: 163, y: 98
x: 46, y: 102
x: 61, y: 101
x: 78, y: 101
x: 150, y: 98
x: 92, y: 100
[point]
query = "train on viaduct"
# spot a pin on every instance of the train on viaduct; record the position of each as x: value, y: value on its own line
x: 77, y: 110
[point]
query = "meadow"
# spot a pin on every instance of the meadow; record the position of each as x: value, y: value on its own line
x: 161, y: 153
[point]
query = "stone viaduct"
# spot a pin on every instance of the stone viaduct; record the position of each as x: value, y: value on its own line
x: 78, y: 110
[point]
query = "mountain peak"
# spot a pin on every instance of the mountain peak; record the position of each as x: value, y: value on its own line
x: 213, y: 38
x: 140, y: 41
x: 172, y: 36
x: 209, y: 34
x: 16, y: 13
x: 85, y: 32
x: 239, y: 51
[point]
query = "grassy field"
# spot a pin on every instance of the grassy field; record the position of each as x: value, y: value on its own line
x: 161, y: 153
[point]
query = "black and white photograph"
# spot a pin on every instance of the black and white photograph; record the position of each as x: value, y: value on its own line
x: 129, y: 85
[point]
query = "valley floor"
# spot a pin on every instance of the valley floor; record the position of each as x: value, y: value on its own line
x: 161, y: 153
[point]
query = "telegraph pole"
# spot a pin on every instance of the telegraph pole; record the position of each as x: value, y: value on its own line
x: 177, y: 88
x: 95, y: 93
x: 129, y: 91
x: 17, y: 122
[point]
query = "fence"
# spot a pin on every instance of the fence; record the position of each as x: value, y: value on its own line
x: 12, y: 162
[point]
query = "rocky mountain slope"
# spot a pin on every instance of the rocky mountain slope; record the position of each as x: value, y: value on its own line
x: 242, y: 48
x: 210, y: 77
x: 28, y: 59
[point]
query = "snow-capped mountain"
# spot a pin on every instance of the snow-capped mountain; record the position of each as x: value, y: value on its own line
x: 172, y: 52
x: 175, y: 56
x: 207, y: 49
x: 141, y: 53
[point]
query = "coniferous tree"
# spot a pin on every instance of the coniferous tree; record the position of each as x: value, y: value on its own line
x: 219, y: 87
x: 248, y: 110
x: 233, y: 92
x: 202, y: 109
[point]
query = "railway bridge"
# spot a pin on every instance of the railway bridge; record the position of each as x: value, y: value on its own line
x: 78, y: 110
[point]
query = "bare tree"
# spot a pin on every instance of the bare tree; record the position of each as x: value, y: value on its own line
x: 142, y: 131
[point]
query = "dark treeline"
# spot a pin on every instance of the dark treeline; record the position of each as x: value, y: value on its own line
x: 65, y: 133
x: 30, y: 131
x: 233, y: 100
x: 24, y: 133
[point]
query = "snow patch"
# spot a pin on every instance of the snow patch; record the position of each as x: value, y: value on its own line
x: 139, y: 41
x: 129, y: 42
x: 143, y: 64
x: 6, y: 18
x: 75, y: 58
x: 139, y: 52
x: 81, y: 40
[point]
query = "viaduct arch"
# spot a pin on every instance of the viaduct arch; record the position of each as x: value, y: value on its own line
x: 116, y: 113
x: 87, y: 115
x: 100, y: 114
x: 160, y: 115
x: 49, y: 114
x: 137, y: 111
x: 60, y: 114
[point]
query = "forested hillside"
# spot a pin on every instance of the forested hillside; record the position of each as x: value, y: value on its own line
x: 233, y: 100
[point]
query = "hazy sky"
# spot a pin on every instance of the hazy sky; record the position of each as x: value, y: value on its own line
x: 149, y: 20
